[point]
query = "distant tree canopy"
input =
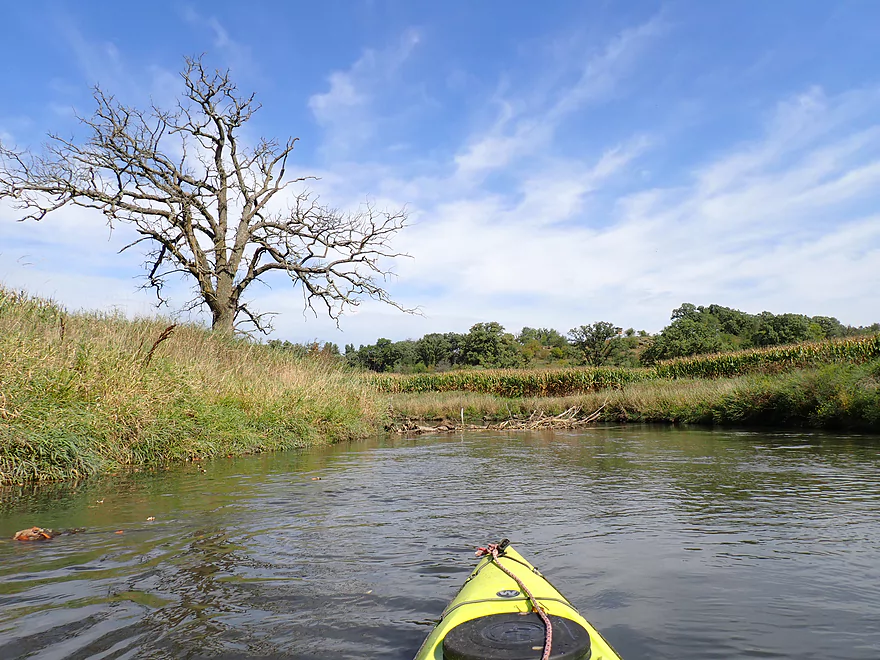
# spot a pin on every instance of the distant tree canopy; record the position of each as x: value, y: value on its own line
x: 543, y: 344
x: 487, y: 345
x: 693, y: 330
x: 715, y: 328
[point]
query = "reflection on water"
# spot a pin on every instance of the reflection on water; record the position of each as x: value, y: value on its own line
x: 676, y: 544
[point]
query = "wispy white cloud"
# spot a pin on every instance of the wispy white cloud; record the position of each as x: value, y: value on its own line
x: 524, y: 128
x: 71, y: 256
x: 102, y: 64
x: 235, y: 55
x: 346, y: 109
x: 756, y: 225
x: 99, y: 60
x: 777, y: 223
x: 601, y: 76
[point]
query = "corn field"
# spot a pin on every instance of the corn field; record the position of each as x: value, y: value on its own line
x: 515, y: 383
x: 773, y: 359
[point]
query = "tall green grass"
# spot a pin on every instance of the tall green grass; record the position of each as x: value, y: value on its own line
x: 79, y: 394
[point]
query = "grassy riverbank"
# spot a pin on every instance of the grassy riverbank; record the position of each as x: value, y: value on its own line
x: 82, y: 393
x: 835, y: 396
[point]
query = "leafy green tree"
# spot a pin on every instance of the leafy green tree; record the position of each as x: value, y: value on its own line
x: 326, y: 350
x: 456, y: 348
x: 716, y: 328
x: 828, y: 326
x: 544, y: 336
x: 433, y: 348
x: 487, y: 345
x: 533, y: 351
x: 594, y: 341
x: 685, y: 336
x: 381, y: 356
x: 781, y: 329
x: 543, y: 344
x: 624, y: 350
x: 730, y: 321
x: 408, y: 360
x: 686, y: 311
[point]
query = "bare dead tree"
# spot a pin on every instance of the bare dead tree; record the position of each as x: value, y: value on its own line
x: 202, y: 199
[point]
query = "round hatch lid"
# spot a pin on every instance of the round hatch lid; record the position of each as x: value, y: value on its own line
x: 515, y: 636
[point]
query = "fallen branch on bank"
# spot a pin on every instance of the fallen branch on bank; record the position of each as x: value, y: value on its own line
x: 537, y: 421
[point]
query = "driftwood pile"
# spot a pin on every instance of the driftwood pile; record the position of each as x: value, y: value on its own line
x: 537, y: 421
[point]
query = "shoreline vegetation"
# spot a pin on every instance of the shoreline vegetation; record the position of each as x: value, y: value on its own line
x: 82, y: 393
x: 834, y: 396
x: 579, y: 380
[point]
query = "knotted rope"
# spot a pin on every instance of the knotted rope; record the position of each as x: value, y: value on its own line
x: 492, y: 551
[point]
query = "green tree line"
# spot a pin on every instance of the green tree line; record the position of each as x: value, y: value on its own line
x: 693, y: 330
x: 696, y: 330
x: 489, y: 346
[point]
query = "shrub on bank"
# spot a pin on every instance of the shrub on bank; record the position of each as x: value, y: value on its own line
x: 842, y: 396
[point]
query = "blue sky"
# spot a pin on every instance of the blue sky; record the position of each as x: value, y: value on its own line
x: 561, y: 164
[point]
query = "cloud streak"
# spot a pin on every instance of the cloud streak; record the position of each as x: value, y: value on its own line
x: 347, y: 110
x: 516, y: 134
x: 781, y: 222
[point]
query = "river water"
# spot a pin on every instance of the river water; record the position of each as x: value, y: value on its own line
x: 682, y: 544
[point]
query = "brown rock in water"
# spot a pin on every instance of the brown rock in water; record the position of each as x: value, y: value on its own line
x: 34, y: 534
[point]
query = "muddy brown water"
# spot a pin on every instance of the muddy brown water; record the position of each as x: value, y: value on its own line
x: 686, y: 544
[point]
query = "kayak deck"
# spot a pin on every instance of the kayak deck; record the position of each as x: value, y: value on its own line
x: 489, y: 591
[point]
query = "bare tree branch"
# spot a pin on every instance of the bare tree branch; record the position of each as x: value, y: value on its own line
x: 203, y: 199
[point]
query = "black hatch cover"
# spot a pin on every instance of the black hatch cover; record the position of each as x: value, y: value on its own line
x: 515, y: 636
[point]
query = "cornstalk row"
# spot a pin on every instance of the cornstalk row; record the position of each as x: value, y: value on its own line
x: 515, y: 383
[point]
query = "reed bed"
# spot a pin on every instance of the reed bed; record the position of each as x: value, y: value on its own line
x: 86, y: 392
